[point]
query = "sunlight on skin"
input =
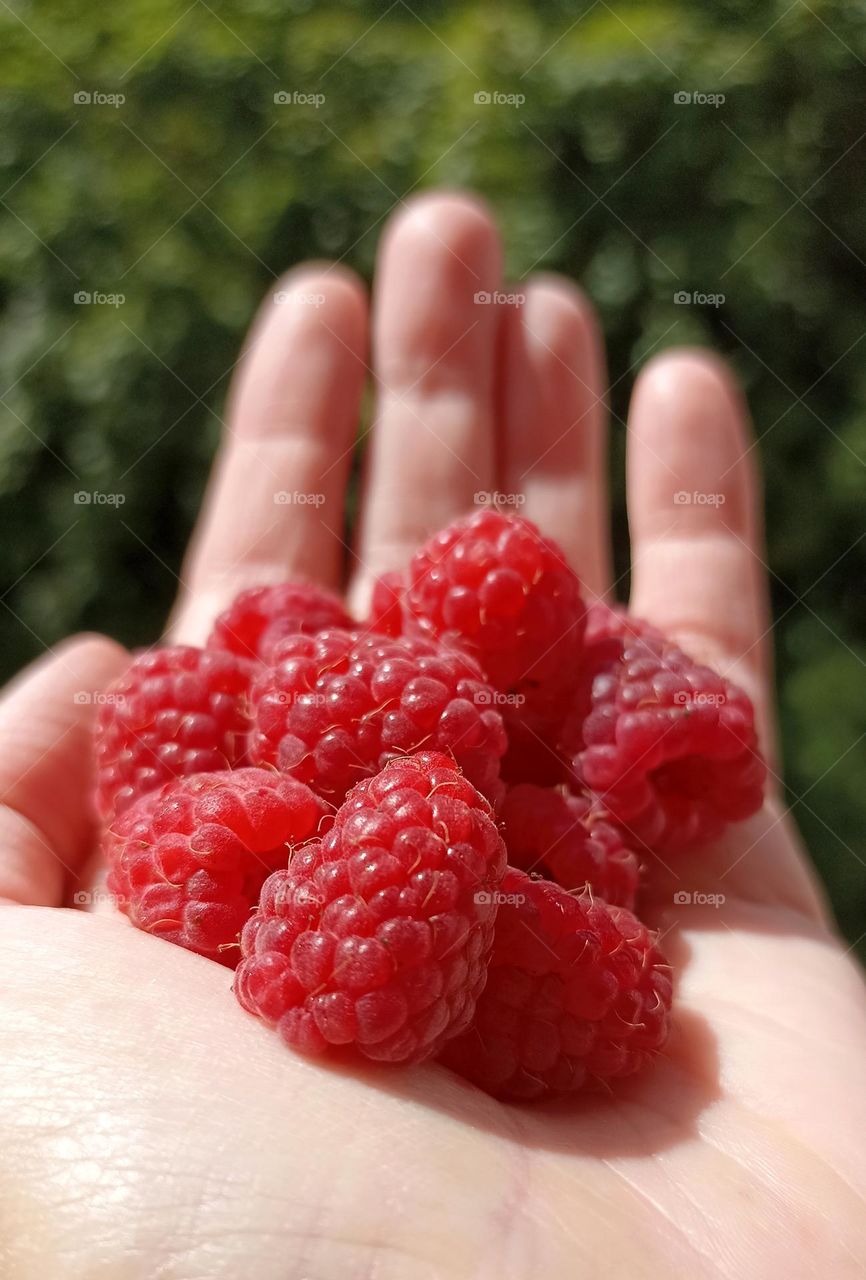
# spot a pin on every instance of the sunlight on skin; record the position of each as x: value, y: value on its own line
x: 149, y: 1127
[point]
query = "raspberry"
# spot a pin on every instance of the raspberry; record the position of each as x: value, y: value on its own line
x: 378, y: 935
x: 174, y: 711
x: 188, y: 861
x: 571, y: 840
x: 493, y: 584
x: 259, y: 618
x: 335, y: 707
x: 386, y: 605
x: 577, y: 993
x: 669, y: 746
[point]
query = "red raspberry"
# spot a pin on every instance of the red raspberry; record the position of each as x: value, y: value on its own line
x: 571, y: 840
x: 335, y: 707
x: 577, y: 993
x: 669, y: 746
x: 259, y: 618
x: 378, y: 935
x: 493, y: 584
x: 386, y: 605
x: 188, y: 861
x: 174, y: 711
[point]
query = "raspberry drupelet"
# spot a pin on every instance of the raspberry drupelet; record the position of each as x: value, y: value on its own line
x: 577, y: 995
x: 187, y: 862
x: 174, y: 711
x: 333, y: 708
x: 377, y: 936
x: 570, y: 840
x: 260, y: 617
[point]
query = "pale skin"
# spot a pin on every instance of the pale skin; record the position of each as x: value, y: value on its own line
x: 150, y: 1128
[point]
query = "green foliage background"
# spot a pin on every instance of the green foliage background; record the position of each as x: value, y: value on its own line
x: 195, y: 192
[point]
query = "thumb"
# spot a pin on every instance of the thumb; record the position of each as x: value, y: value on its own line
x: 46, y: 762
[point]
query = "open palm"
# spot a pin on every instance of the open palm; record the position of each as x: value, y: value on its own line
x: 150, y: 1128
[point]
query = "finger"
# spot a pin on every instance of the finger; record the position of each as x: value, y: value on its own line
x: 46, y: 759
x: 275, y: 504
x: 553, y: 416
x: 432, y: 442
x: 698, y: 567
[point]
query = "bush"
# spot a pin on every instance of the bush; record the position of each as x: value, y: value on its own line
x: 196, y: 191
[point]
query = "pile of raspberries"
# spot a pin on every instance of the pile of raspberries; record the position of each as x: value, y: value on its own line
x: 424, y: 835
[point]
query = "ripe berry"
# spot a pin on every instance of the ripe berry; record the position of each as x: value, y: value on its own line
x: 570, y: 840
x: 187, y: 862
x: 259, y: 618
x: 174, y: 711
x: 377, y: 936
x: 669, y: 746
x: 335, y: 707
x: 577, y: 993
x: 493, y: 584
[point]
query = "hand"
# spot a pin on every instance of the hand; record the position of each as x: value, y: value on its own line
x: 150, y: 1127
